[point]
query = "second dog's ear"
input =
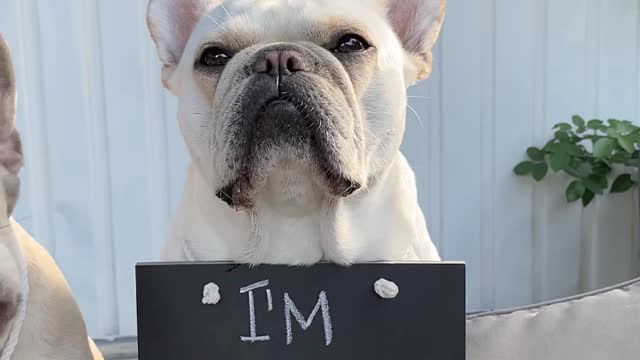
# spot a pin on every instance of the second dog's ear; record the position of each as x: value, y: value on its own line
x: 417, y: 24
x: 171, y: 23
x: 10, y: 146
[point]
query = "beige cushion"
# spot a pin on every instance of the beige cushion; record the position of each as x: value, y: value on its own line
x: 599, y: 325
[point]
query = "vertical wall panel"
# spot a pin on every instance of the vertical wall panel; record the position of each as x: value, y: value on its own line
x: 617, y: 99
x: 467, y: 108
x: 100, y: 192
x: 128, y: 136
x: 519, y: 25
x: 564, y: 79
x: 35, y: 110
x: 589, y: 225
x: 106, y: 162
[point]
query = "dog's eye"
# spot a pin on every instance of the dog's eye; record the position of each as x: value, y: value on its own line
x: 351, y: 43
x: 214, y: 56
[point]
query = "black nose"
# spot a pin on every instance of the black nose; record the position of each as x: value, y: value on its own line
x: 280, y: 63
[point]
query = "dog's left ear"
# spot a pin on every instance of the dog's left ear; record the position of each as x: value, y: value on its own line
x: 417, y: 24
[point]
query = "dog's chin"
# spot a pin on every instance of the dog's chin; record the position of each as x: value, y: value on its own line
x: 285, y: 159
x: 282, y: 189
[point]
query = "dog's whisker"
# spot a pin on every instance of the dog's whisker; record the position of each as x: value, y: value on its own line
x: 416, y: 114
x: 419, y: 97
x: 224, y: 8
x: 220, y: 25
x: 376, y: 139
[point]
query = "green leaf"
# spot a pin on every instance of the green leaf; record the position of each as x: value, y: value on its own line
x: 587, y: 197
x: 604, y: 147
x: 625, y: 129
x: 575, y: 191
x: 601, y: 169
x: 602, y: 180
x: 535, y: 154
x: 552, y: 146
x: 594, y: 184
x: 626, y: 142
x: 620, y: 157
x: 581, y: 130
x: 524, y: 168
x: 578, y: 168
x: 562, y: 136
x: 560, y: 161
x: 564, y: 127
x: 578, y: 121
x: 614, y: 122
x: 576, y: 150
x: 594, y: 124
x: 622, y: 184
x: 635, y: 137
x: 539, y: 171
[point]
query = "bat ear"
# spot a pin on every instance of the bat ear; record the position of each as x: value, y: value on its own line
x: 10, y: 145
x: 171, y: 23
x: 11, y: 160
x: 417, y: 24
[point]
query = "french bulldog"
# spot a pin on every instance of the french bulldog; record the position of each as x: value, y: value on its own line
x: 293, y: 112
x: 39, y: 318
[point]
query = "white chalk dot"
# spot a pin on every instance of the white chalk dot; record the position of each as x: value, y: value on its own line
x: 386, y: 289
x: 211, y: 294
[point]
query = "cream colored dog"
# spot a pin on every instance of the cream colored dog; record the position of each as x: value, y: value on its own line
x: 293, y: 112
x: 39, y: 319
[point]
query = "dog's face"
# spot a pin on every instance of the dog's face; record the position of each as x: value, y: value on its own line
x: 296, y: 96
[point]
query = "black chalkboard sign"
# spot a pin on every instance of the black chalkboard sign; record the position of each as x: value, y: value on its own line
x: 279, y: 312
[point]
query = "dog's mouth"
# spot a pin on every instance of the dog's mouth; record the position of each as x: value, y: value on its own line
x: 285, y: 126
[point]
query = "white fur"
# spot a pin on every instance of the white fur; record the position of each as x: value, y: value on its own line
x: 293, y: 222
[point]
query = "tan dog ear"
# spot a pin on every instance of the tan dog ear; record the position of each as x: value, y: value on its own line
x: 11, y: 160
x: 417, y: 24
x: 171, y: 23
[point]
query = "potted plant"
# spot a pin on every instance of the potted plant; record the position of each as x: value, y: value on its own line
x: 589, y: 152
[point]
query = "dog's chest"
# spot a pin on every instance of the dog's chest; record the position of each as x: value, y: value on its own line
x: 263, y: 237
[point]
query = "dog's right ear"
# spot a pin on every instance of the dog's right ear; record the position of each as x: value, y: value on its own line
x: 171, y: 23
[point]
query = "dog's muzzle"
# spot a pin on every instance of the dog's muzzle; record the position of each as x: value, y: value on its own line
x: 287, y: 109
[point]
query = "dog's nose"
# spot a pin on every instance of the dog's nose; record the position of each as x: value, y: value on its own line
x: 280, y: 63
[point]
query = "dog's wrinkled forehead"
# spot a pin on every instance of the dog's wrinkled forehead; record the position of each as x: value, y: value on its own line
x: 249, y: 22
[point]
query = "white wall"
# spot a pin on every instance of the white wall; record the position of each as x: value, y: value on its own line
x: 105, y: 162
